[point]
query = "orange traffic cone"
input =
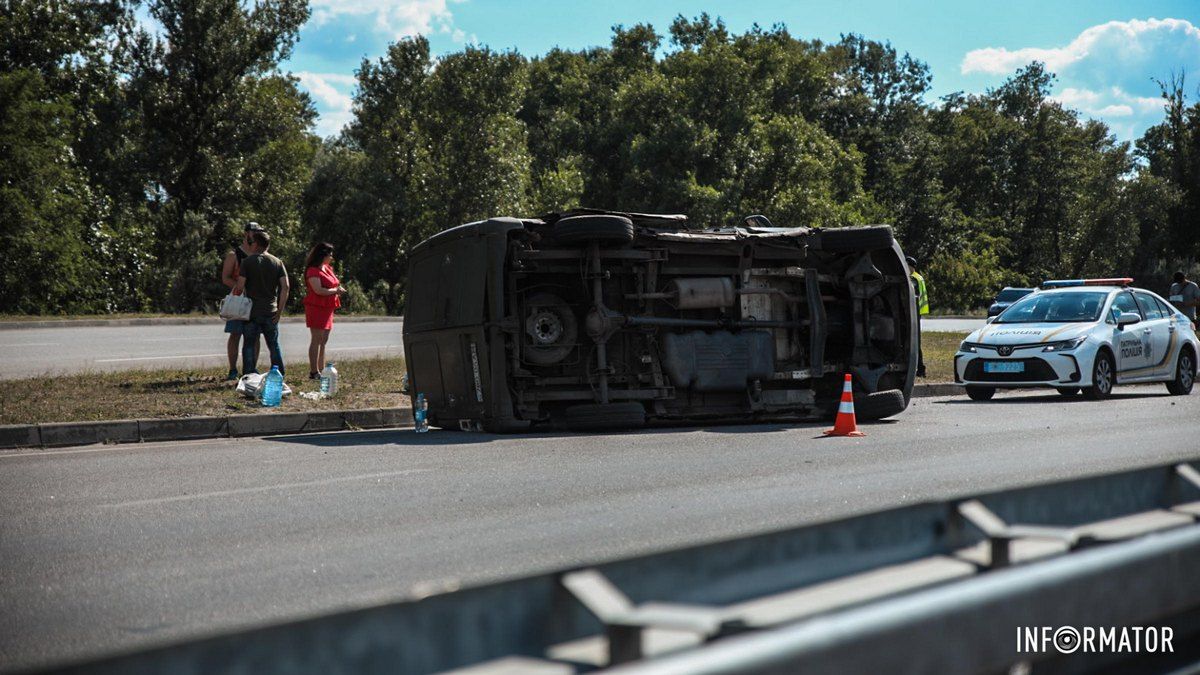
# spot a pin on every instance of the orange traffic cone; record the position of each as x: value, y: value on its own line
x: 845, y: 425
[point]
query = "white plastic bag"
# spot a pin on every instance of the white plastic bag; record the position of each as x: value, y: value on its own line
x: 236, y: 307
x: 250, y: 386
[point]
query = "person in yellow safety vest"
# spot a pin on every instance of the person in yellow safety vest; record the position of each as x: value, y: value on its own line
x: 918, y: 282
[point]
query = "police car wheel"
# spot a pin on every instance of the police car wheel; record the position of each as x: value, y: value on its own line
x: 1104, y: 374
x: 1068, y: 391
x: 981, y: 393
x: 1185, y: 374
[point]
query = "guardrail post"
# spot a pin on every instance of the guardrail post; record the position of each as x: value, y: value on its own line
x: 624, y: 643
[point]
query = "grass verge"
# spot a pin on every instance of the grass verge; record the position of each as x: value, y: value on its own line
x: 363, y: 383
x: 939, y: 351
x: 93, y: 396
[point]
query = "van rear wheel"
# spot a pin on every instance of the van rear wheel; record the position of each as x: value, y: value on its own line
x: 604, y: 229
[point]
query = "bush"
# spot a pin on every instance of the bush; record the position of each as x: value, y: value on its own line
x: 358, y: 301
x: 965, y: 281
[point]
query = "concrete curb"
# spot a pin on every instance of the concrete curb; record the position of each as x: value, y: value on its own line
x: 60, y: 434
x: 167, y: 321
x: 937, y: 389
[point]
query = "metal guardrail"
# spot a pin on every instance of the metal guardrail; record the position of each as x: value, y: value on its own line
x: 933, y: 587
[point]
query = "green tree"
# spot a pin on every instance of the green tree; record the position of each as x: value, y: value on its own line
x: 46, y: 206
x: 218, y: 118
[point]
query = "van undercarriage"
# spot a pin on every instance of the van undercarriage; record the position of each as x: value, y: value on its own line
x: 595, y: 320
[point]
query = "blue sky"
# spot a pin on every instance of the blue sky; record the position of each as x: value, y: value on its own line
x: 1106, y: 53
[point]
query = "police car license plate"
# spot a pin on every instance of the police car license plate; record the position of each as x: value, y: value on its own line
x: 1003, y: 367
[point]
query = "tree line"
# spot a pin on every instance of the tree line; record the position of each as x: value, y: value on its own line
x: 129, y: 159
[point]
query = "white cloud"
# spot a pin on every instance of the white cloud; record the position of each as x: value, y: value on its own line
x: 1115, y: 42
x: 1115, y: 111
x: 1108, y: 71
x: 332, y: 94
x: 394, y: 18
x: 1111, y: 102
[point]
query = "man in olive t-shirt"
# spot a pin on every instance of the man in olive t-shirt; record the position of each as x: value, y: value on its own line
x: 264, y: 280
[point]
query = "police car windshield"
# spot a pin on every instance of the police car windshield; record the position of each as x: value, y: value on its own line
x: 1054, y: 308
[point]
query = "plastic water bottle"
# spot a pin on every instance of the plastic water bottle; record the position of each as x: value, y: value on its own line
x: 421, y: 414
x: 272, y: 392
x: 329, y: 380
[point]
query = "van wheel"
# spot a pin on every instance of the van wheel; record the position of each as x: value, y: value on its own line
x: 550, y: 329
x: 605, y: 416
x: 879, y: 405
x: 848, y: 239
x: 1067, y: 391
x: 1104, y: 375
x: 598, y: 228
x: 981, y: 393
x: 1185, y: 374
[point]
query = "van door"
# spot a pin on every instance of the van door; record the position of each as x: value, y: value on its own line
x: 444, y: 316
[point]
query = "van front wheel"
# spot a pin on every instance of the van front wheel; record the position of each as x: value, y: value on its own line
x: 606, y: 416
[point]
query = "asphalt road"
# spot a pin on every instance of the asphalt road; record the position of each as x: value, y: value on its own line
x: 113, y: 548
x: 32, y: 352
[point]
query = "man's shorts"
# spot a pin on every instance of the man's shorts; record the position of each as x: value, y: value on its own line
x: 235, y: 326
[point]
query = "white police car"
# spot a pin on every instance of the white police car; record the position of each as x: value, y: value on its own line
x: 1087, y: 334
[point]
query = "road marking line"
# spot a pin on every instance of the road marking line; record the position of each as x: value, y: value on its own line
x: 34, y: 344
x: 206, y: 356
x: 153, y: 358
x: 263, y: 488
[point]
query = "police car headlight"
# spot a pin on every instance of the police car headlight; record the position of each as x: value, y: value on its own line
x: 967, y: 347
x: 1064, y: 345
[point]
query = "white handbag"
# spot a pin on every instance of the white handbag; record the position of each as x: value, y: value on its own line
x: 236, y: 307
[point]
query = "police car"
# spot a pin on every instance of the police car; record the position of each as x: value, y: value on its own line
x: 1081, y: 334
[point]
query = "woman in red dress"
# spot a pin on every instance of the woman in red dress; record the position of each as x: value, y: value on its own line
x: 322, y: 298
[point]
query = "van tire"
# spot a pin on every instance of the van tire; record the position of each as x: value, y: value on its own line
x: 598, y: 228
x: 849, y: 239
x: 568, y: 330
x: 605, y: 416
x: 879, y: 405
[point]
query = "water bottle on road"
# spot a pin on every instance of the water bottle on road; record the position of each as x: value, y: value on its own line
x: 329, y: 380
x: 421, y: 414
x: 272, y: 387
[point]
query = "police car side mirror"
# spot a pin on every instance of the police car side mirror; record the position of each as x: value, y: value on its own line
x: 1128, y: 319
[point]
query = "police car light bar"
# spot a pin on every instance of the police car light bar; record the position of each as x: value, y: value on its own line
x: 1064, y: 283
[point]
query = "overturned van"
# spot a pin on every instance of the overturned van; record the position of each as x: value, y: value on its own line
x: 606, y: 320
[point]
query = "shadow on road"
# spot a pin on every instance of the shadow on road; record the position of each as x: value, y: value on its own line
x: 435, y: 437
x: 386, y: 437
